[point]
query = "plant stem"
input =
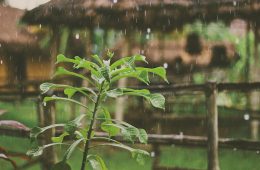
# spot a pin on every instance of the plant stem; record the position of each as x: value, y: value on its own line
x: 85, y: 153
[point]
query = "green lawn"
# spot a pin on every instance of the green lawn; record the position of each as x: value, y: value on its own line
x: 117, y: 160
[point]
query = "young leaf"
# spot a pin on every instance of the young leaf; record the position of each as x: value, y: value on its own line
x: 70, y: 92
x: 71, y: 127
x: 97, y: 59
x: 61, y: 166
x: 105, y: 73
x: 60, y: 138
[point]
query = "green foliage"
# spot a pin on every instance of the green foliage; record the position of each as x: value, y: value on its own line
x: 103, y: 74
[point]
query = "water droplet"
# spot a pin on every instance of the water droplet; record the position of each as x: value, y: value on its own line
x: 152, y: 154
x: 246, y: 116
x: 148, y: 30
x: 165, y: 65
x: 77, y: 36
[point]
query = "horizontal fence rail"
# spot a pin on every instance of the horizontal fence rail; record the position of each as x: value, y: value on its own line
x: 159, y: 139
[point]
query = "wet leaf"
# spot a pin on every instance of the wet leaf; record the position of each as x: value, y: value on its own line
x: 143, y: 137
x: 97, y: 162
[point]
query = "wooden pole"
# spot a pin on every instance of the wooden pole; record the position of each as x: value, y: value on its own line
x: 212, y: 113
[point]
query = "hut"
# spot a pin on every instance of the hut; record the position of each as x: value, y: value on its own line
x: 21, y: 58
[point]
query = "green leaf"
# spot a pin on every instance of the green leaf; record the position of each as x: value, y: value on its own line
x: 160, y: 71
x: 37, y: 151
x: 48, y: 86
x: 70, y: 92
x: 47, y: 99
x: 143, y: 75
x: 63, y: 71
x: 143, y: 137
x: 105, y: 73
x: 97, y: 59
x: 115, y: 93
x: 72, y: 148
x: 139, y: 155
x: 130, y: 133
x: 110, y: 54
x: 61, y: 58
x: 71, y: 127
x: 97, y: 162
x: 108, y: 126
x: 45, y: 87
x: 60, y: 138
x: 157, y: 100
x: 123, y: 60
x: 61, y: 166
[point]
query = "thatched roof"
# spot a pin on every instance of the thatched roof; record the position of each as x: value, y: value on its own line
x: 12, y: 36
x: 140, y: 14
x: 174, y: 54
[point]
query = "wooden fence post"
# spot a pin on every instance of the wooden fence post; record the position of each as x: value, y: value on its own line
x: 212, y: 119
x: 46, y: 118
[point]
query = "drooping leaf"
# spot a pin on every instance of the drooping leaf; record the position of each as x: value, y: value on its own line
x: 157, y: 100
x: 160, y: 71
x: 143, y: 137
x: 63, y: 71
x: 37, y: 151
x: 139, y: 155
x: 63, y: 165
x: 72, y: 148
x: 47, y: 99
x: 115, y: 93
x: 97, y: 162
x: 130, y: 133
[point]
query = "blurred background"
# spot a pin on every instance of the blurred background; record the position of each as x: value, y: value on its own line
x: 195, y: 41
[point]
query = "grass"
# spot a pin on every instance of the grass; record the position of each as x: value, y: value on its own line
x: 25, y: 112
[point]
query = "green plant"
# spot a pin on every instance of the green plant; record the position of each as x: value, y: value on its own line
x: 103, y: 74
